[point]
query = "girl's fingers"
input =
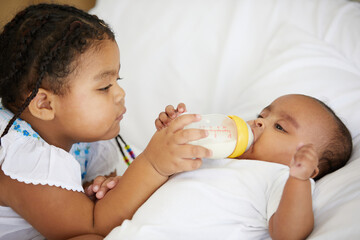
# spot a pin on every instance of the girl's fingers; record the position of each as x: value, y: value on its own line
x: 182, y: 121
x: 190, y: 151
x: 188, y: 135
x: 190, y: 164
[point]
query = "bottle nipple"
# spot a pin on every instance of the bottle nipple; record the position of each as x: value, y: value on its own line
x: 245, y: 136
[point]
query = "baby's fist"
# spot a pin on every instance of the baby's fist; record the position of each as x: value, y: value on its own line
x: 304, y: 164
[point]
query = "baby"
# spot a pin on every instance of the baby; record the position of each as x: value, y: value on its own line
x: 265, y: 195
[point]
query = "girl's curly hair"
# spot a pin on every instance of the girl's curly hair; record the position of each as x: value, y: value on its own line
x: 39, y: 47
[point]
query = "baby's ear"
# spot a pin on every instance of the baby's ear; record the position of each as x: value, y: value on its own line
x: 316, y: 172
x: 42, y: 105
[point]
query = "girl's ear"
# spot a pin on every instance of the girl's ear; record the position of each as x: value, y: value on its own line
x: 42, y: 106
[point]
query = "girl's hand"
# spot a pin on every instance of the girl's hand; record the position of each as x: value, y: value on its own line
x: 100, y: 186
x: 169, y: 152
x: 304, y: 165
x: 170, y: 114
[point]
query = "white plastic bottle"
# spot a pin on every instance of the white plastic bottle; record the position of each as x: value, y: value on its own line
x: 229, y: 136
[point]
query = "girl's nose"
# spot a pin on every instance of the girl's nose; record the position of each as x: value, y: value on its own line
x: 119, y: 93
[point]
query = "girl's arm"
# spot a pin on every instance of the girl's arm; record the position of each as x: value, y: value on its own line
x: 97, y: 188
x: 294, y: 218
x: 61, y: 214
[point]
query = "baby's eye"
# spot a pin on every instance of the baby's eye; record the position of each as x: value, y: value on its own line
x: 105, y: 88
x: 119, y: 78
x: 259, y: 116
x: 279, y: 127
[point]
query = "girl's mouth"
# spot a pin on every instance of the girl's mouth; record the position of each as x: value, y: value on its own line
x: 120, y: 117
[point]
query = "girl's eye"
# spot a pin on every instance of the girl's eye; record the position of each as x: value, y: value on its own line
x: 279, y: 127
x: 259, y: 116
x: 119, y: 78
x: 105, y: 88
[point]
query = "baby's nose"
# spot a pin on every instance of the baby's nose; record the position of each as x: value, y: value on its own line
x: 259, y: 122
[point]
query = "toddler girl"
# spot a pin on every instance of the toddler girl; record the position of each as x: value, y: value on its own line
x: 58, y: 76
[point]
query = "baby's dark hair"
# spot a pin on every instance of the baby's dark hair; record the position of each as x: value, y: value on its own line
x: 39, y: 48
x: 338, y: 150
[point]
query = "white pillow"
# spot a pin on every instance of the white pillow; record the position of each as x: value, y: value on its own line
x: 337, y: 202
x: 235, y: 57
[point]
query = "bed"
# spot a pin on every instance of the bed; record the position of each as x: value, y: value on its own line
x: 236, y: 56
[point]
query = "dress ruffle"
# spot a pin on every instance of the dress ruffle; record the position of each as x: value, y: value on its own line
x: 32, y: 160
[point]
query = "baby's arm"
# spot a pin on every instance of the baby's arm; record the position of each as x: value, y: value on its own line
x: 294, y: 218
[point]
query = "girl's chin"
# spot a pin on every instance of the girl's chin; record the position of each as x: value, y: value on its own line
x: 110, y: 134
x: 115, y: 133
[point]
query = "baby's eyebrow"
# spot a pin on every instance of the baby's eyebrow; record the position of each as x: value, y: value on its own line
x: 267, y: 108
x: 285, y: 116
x: 290, y: 119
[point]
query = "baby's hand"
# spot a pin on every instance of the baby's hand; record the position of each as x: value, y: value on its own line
x: 100, y: 186
x: 170, y: 114
x: 304, y: 164
x: 168, y: 150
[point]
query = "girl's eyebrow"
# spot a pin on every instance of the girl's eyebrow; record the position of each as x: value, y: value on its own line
x: 106, y: 73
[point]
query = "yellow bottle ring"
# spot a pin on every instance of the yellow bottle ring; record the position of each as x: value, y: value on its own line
x: 242, y: 137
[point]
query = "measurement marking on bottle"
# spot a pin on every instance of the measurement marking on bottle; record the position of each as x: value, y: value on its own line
x: 218, y: 132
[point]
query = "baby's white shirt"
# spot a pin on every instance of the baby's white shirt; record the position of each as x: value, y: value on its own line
x: 224, y: 199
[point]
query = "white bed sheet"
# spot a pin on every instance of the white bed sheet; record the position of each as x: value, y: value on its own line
x: 235, y: 57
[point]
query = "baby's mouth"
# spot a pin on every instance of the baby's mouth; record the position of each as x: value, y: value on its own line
x: 254, y: 140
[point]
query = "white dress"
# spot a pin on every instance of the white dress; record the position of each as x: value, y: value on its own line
x: 96, y: 158
x: 27, y: 158
x: 224, y: 199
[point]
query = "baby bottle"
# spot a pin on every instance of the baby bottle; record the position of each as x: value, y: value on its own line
x: 229, y: 136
